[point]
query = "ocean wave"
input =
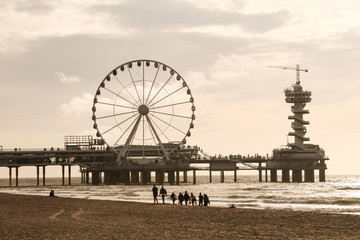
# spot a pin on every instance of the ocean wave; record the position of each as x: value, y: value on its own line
x: 237, y: 197
x: 347, y: 202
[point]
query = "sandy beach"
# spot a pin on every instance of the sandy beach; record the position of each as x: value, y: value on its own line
x: 39, y: 217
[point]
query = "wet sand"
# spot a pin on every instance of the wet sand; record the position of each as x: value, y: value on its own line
x: 37, y: 217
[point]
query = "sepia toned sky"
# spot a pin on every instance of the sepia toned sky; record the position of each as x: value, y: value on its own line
x: 54, y: 54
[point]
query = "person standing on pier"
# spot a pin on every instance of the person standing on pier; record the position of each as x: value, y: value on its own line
x: 155, y: 193
x: 163, y: 193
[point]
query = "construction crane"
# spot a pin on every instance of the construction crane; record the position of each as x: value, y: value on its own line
x: 297, y: 68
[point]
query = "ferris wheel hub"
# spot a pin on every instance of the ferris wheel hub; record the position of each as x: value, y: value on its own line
x: 143, y: 109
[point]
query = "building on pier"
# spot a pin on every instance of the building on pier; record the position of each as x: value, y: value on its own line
x: 298, y: 156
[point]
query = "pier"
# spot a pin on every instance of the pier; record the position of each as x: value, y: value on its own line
x: 136, y: 121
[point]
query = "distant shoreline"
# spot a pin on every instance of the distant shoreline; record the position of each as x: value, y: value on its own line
x: 28, y: 216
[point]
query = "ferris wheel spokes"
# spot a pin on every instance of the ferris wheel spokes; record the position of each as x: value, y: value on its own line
x: 160, y: 89
x: 173, y: 115
x: 170, y: 125
x: 152, y: 85
x: 132, y: 79
x: 115, y: 105
x: 120, y: 97
x: 117, y: 114
x: 166, y: 96
x: 171, y: 105
x: 119, y: 125
x: 126, y: 89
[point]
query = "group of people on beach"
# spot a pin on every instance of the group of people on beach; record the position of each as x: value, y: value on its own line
x: 182, y: 198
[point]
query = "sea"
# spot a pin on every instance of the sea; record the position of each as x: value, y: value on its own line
x: 339, y: 194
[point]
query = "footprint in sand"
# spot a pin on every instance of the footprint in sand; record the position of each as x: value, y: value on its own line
x: 76, y: 215
x: 53, y: 217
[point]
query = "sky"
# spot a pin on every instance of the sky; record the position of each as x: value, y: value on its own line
x: 54, y: 55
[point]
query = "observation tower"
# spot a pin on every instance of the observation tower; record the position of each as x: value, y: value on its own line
x: 298, y: 156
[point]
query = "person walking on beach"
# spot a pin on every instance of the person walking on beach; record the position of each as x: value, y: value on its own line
x: 181, y: 198
x: 186, y: 197
x: 193, y: 199
x: 201, y: 198
x: 206, y: 200
x: 163, y: 193
x: 173, y: 197
x: 155, y: 193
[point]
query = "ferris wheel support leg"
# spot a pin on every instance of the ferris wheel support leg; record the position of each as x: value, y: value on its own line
x: 158, y: 138
x: 120, y: 158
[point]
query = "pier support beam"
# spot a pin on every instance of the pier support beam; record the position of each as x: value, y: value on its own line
x: 285, y: 175
x: 17, y: 176
x: 273, y: 175
x: 177, y: 177
x: 260, y: 173
x: 135, y: 177
x: 194, y: 176
x: 10, y: 172
x: 44, y: 175
x: 297, y: 175
x: 235, y: 175
x: 266, y: 175
x: 87, y: 178
x: 210, y: 176
x: 322, y: 175
x: 171, y: 177
x: 160, y: 176
x: 309, y: 175
x: 124, y: 176
x: 69, y: 174
x: 63, y: 174
x: 37, y: 176
x: 222, y: 176
x: 145, y: 177
x: 111, y: 177
x: 185, y: 176
x: 95, y: 178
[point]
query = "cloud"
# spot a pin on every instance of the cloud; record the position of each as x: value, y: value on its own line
x: 178, y: 14
x: 77, y: 106
x: 67, y: 78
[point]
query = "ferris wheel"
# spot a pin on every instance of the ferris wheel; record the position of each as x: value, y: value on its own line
x: 142, y: 105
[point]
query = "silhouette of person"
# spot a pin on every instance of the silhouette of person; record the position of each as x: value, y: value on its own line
x: 186, y: 197
x: 173, y: 197
x: 52, y: 193
x: 155, y: 193
x: 193, y: 199
x: 163, y: 193
x: 181, y: 198
x: 206, y: 200
x: 201, y: 198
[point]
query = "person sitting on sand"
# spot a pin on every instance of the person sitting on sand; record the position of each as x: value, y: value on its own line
x: 206, y: 200
x: 173, y: 197
x: 193, y: 199
x: 155, y: 193
x: 52, y: 193
x: 201, y: 198
x: 181, y: 198
x: 186, y: 197
x: 163, y: 193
